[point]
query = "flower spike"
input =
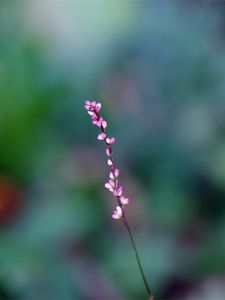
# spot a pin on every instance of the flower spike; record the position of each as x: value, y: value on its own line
x: 93, y: 108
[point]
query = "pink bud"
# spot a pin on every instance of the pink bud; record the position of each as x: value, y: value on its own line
x: 91, y: 113
x: 112, y: 183
x: 93, y: 104
x: 111, y: 175
x: 118, y: 192
x: 109, y: 187
x: 104, y: 124
x: 116, y: 172
x: 98, y: 107
x: 97, y: 122
x: 101, y: 136
x: 117, y: 214
x: 113, y: 140
x: 124, y: 200
x: 109, y: 162
x: 110, y: 140
x: 87, y: 104
x: 108, y: 151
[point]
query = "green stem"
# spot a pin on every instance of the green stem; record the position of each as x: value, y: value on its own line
x: 138, y: 259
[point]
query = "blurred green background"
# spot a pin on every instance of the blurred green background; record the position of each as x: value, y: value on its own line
x: 159, y: 70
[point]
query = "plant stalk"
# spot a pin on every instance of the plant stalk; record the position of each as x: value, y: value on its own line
x: 148, y: 290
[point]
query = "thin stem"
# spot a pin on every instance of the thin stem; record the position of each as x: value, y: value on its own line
x: 138, y: 259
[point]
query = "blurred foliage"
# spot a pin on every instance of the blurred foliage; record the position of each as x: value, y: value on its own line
x: 159, y: 70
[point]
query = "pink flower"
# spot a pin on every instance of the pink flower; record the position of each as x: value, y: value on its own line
x: 109, y: 186
x: 117, y: 214
x: 111, y: 175
x: 116, y: 172
x: 104, y: 124
x: 93, y: 104
x: 92, y: 114
x: 118, y: 192
x: 97, y: 122
x: 87, y: 104
x: 108, y: 151
x: 109, y: 162
x: 110, y: 141
x: 124, y: 200
x: 102, y: 136
x: 98, y: 107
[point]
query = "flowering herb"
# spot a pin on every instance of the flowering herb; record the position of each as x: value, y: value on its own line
x: 93, y: 109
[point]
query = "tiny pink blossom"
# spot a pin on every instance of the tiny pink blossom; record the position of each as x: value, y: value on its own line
x: 104, y: 124
x: 108, y: 151
x: 98, y: 107
x: 124, y: 200
x: 110, y: 141
x: 112, y: 182
x: 111, y: 175
x: 117, y: 214
x: 91, y: 113
x: 109, y: 162
x: 116, y: 172
x: 87, y: 104
x: 109, y: 187
x: 93, y: 104
x: 118, y: 192
x: 97, y: 122
x: 101, y: 136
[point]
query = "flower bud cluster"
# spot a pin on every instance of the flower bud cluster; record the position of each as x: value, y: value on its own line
x: 93, y: 108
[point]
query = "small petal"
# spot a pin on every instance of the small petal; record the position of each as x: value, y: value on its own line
x: 104, y: 124
x: 91, y: 113
x: 118, y: 192
x: 109, y: 187
x: 108, y: 151
x: 97, y: 122
x: 109, y: 162
x: 117, y: 214
x: 93, y: 104
x: 110, y: 140
x: 87, y: 104
x: 111, y: 175
x: 112, y: 183
x: 124, y: 200
x: 101, y: 136
x: 98, y: 107
x: 116, y: 172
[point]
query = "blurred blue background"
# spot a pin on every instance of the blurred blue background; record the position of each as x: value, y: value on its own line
x: 159, y: 70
